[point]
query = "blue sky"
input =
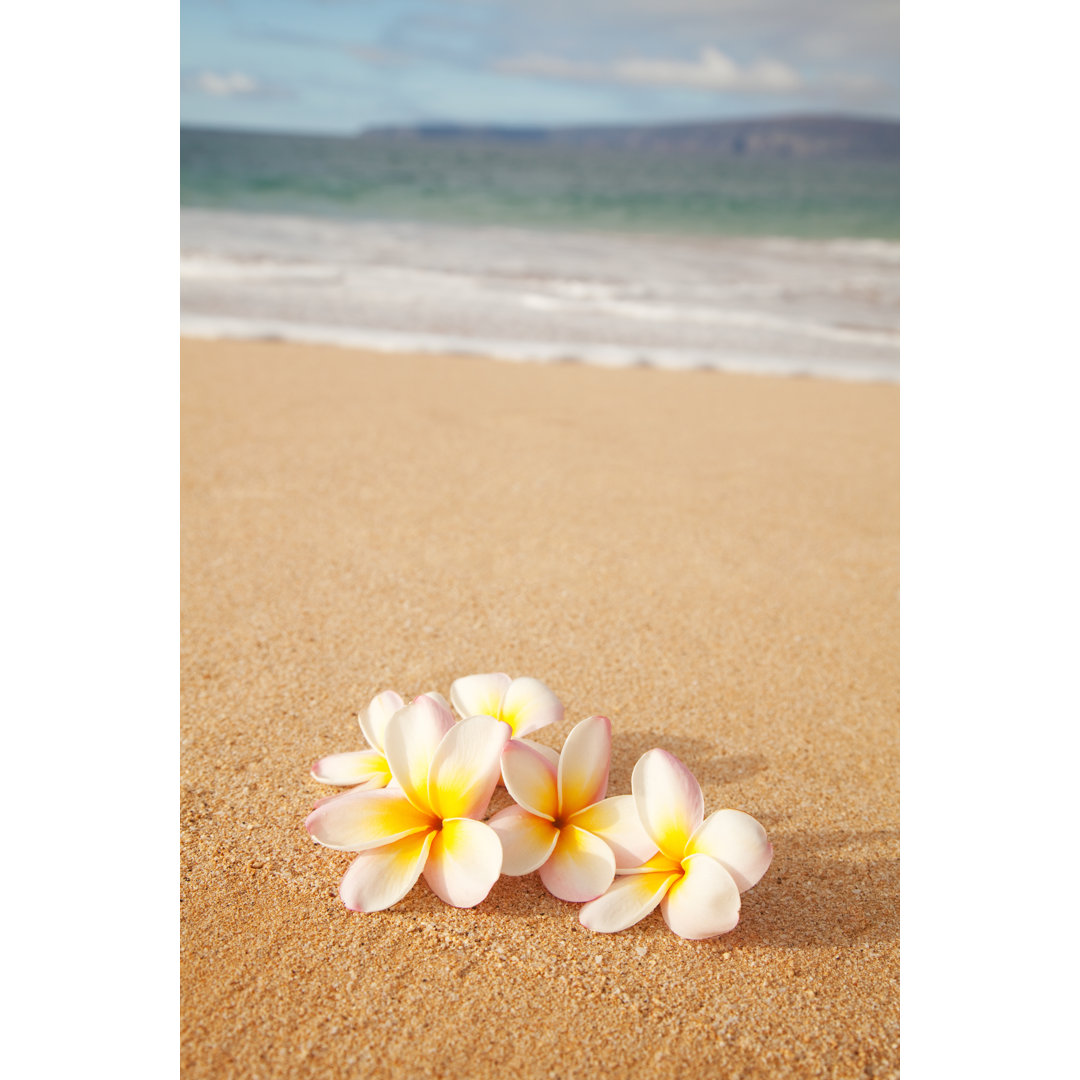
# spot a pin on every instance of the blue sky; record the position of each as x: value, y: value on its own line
x: 344, y: 65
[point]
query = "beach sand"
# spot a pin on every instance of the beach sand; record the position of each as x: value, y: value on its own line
x: 710, y: 560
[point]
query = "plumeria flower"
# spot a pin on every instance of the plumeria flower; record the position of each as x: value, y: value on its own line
x: 702, y: 866
x: 366, y: 768
x: 430, y: 824
x: 563, y: 826
x: 525, y: 704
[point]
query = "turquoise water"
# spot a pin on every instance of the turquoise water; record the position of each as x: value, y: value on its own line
x: 541, y: 186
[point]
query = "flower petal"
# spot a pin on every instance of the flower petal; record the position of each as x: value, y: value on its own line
x: 529, y: 705
x: 580, y: 868
x: 465, y: 768
x: 704, y: 902
x: 616, y: 822
x: 365, y: 767
x: 376, y: 716
x: 436, y: 696
x: 360, y: 819
x: 669, y: 801
x: 527, y: 840
x: 384, y: 875
x: 530, y: 779
x: 479, y: 695
x: 583, y: 765
x: 658, y: 864
x: 736, y: 841
x: 628, y: 901
x: 550, y: 756
x: 464, y: 862
x: 412, y: 737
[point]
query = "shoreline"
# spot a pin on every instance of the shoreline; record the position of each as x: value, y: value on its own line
x: 223, y: 329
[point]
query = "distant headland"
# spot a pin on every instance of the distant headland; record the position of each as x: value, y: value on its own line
x: 795, y: 137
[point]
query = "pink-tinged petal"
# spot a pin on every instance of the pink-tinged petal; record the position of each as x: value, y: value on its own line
x: 359, y: 819
x: 412, y: 737
x: 376, y: 716
x: 384, y: 875
x: 580, y: 868
x: 527, y: 840
x: 628, y: 901
x: 550, y: 756
x: 433, y: 698
x: 583, y: 765
x: 529, y: 705
x: 704, y: 902
x: 464, y: 862
x: 669, y: 801
x: 366, y: 768
x: 436, y: 696
x: 530, y: 779
x: 658, y: 864
x: 465, y: 768
x: 737, y: 842
x: 479, y: 695
x: 616, y: 822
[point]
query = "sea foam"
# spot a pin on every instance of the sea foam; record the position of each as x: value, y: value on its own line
x: 769, y: 305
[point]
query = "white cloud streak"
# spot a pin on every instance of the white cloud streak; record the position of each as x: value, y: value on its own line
x: 231, y: 84
x: 713, y: 70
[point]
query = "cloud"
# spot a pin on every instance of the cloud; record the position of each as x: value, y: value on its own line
x: 297, y: 39
x: 713, y: 70
x: 216, y: 84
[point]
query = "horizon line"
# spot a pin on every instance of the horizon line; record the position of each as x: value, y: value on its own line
x: 450, y: 125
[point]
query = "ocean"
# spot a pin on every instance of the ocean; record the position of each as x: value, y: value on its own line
x: 607, y: 255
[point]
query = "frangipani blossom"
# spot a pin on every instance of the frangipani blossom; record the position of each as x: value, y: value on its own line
x: 563, y: 826
x: 366, y: 768
x: 701, y: 866
x: 446, y: 774
x: 525, y: 704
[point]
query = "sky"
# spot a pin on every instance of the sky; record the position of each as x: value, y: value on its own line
x: 341, y: 66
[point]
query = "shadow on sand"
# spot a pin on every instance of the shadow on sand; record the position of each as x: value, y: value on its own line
x: 709, y: 762
x: 826, y: 888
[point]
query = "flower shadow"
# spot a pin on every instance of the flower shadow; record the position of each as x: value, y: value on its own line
x: 707, y: 759
x: 828, y: 888
x: 825, y: 889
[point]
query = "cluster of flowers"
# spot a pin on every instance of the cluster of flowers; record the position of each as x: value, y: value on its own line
x: 419, y: 794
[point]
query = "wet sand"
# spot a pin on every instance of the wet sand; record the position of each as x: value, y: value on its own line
x: 711, y: 560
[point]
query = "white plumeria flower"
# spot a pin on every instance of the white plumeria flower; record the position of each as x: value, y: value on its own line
x: 563, y: 826
x: 366, y: 768
x: 701, y: 867
x: 525, y: 704
x: 446, y: 773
